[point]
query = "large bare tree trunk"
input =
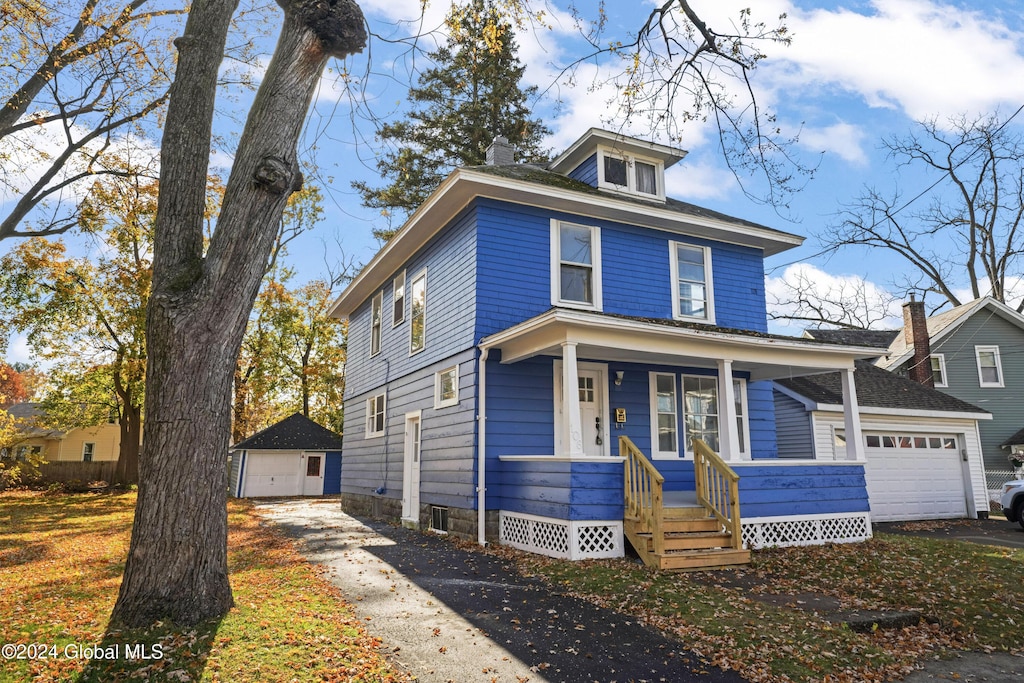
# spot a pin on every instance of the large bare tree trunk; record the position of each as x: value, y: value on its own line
x: 177, y: 561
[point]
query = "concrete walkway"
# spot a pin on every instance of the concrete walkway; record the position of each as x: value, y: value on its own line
x: 450, y: 615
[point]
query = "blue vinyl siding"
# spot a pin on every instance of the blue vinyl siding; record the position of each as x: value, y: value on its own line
x: 514, y: 270
x: 332, y: 473
x: 586, y: 172
x: 449, y: 260
x: 774, y: 491
x: 559, y: 489
x: 761, y: 416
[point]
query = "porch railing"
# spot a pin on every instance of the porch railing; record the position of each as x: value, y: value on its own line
x: 718, y: 489
x: 644, y: 497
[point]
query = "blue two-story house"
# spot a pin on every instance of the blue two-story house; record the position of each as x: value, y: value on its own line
x: 512, y: 283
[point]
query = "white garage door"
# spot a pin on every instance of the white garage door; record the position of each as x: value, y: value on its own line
x: 914, y: 476
x: 271, y: 474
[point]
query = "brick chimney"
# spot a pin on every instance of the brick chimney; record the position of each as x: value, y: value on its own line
x: 915, y: 333
x: 500, y: 152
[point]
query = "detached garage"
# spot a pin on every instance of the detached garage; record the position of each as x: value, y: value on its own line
x: 922, y: 450
x: 295, y: 457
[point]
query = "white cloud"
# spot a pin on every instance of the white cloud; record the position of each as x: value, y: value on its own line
x: 843, y: 139
x: 1014, y: 290
x: 802, y: 288
x: 699, y: 180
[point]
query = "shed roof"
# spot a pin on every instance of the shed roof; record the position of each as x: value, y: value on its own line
x: 294, y: 433
x: 879, y: 338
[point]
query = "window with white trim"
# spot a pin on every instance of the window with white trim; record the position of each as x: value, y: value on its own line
x: 446, y: 387
x: 398, y: 300
x: 375, y: 415
x: 376, y: 312
x: 990, y: 369
x: 576, y: 265
x: 88, y: 450
x: 633, y: 175
x: 938, y: 365
x: 664, y: 423
x: 418, y: 313
x: 691, y: 282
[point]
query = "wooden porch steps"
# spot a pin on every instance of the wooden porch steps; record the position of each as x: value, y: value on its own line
x: 692, y: 541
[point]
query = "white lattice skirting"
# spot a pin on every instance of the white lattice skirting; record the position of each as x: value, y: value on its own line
x: 765, y: 532
x: 573, y: 540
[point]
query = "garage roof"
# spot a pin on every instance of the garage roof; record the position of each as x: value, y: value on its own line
x: 294, y: 433
x: 877, y: 388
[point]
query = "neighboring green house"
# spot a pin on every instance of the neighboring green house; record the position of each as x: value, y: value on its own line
x: 974, y: 352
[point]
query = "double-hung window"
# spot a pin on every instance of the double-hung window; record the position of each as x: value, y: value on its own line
x: 376, y: 312
x: 701, y: 414
x: 398, y: 300
x: 938, y: 365
x: 576, y: 265
x: 990, y: 369
x: 664, y: 420
x: 418, y: 314
x: 691, y: 282
x: 375, y: 415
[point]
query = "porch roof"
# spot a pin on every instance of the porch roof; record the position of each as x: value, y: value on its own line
x: 611, y: 337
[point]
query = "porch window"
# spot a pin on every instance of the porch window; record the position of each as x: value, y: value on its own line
x: 691, y: 278
x: 576, y: 266
x: 375, y: 321
x: 375, y: 415
x: 664, y: 437
x: 418, y: 315
x: 990, y: 370
x: 700, y: 411
x: 938, y: 362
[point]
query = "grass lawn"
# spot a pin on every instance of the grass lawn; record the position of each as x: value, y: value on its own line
x: 61, y: 559
x: 969, y: 595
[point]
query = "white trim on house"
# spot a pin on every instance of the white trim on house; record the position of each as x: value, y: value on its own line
x: 413, y: 349
x: 943, y: 381
x: 439, y: 401
x: 630, y: 162
x: 398, y: 311
x: 709, y: 296
x: 595, y: 267
x: 655, y: 413
x: 377, y: 323
x: 376, y: 404
x: 994, y: 351
x: 583, y: 147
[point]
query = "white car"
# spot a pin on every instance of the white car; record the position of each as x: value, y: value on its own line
x: 1013, y: 501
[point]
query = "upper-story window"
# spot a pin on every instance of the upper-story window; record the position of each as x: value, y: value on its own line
x: 990, y: 368
x: 398, y: 299
x: 938, y: 363
x: 691, y: 282
x: 418, y: 313
x: 575, y: 265
x: 630, y: 174
x: 376, y: 312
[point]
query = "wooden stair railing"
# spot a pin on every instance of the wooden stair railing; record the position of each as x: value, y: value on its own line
x: 718, y: 489
x: 644, y: 497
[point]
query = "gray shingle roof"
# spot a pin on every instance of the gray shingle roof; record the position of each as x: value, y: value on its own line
x: 1014, y: 440
x: 879, y: 338
x: 294, y: 433
x: 877, y: 388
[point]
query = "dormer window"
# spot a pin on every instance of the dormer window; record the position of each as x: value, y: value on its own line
x: 632, y: 175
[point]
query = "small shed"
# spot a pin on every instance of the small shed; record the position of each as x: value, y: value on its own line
x: 295, y: 457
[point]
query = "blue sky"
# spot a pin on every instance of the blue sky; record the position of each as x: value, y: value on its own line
x: 855, y: 72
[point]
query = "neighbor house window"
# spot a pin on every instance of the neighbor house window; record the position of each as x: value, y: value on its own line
x: 630, y: 174
x: 418, y: 315
x: 665, y: 429
x: 691, y: 281
x: 446, y: 387
x: 375, y: 415
x: 576, y: 265
x: 88, y: 449
x: 398, y: 300
x: 990, y: 369
x: 938, y: 362
x: 376, y: 312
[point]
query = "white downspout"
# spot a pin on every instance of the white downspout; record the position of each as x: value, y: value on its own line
x: 481, y: 449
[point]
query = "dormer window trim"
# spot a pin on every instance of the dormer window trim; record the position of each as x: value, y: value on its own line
x: 633, y: 182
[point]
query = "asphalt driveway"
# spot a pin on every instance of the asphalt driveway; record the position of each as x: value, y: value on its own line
x: 993, y: 531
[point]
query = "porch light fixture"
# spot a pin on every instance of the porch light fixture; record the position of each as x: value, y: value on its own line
x: 618, y: 377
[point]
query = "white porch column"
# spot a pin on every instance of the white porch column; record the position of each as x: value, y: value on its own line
x: 851, y: 414
x: 728, y: 437
x: 571, y: 427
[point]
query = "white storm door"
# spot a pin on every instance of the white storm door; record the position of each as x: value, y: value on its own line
x: 313, y: 481
x: 411, y: 474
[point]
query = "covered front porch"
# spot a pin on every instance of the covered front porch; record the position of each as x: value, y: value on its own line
x: 671, y: 391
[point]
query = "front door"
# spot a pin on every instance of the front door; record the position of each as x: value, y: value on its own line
x: 411, y: 475
x: 313, y: 482
x: 592, y: 390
